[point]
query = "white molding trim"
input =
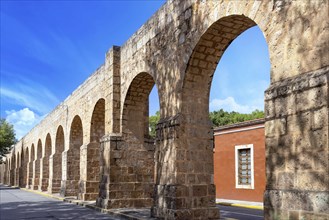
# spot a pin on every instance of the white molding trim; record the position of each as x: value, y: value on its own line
x: 237, y: 130
x: 237, y: 148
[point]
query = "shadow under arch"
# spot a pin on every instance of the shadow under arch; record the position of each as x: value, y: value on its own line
x: 12, y: 169
x: 22, y: 170
x: 56, y: 162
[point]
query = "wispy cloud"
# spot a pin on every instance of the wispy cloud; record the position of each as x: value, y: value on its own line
x: 229, y: 104
x: 23, y: 120
x: 25, y: 93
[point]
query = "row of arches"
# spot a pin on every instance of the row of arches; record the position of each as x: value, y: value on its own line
x: 177, y: 176
x: 135, y: 163
x: 44, y: 167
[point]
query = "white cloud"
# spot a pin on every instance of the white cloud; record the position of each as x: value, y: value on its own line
x: 23, y: 120
x: 229, y: 104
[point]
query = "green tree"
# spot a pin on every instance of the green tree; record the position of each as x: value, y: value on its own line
x: 221, y: 117
x: 153, y: 121
x: 7, y: 137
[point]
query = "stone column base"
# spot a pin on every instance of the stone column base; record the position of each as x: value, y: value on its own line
x: 295, y: 204
x: 35, y: 184
x: 88, y: 190
x: 54, y: 186
x: 69, y: 188
x: 185, y: 202
x: 43, y: 185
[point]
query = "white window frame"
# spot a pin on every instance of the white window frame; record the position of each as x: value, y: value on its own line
x: 252, y: 184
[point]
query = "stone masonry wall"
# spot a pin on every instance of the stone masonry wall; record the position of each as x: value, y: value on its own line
x: 179, y: 48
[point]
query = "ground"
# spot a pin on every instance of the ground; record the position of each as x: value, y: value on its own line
x: 17, y: 204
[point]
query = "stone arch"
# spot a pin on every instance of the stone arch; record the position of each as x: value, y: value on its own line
x: 97, y: 128
x: 31, y: 166
x: 18, y: 162
x: 26, y: 170
x: 8, y: 171
x: 73, y: 157
x: 44, y: 179
x: 90, y: 172
x: 135, y: 156
x: 17, y: 169
x: 37, y: 162
x: 135, y: 106
x: 56, y: 161
x: 12, y: 169
x: 193, y: 135
x: 22, y: 170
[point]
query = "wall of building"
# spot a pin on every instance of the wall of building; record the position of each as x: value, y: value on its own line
x: 224, y: 162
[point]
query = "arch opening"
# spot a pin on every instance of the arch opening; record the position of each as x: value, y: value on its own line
x: 56, y: 160
x: 91, y: 176
x: 44, y: 182
x: 26, y: 168
x: 195, y: 166
x: 73, y: 158
x: 37, y: 162
x: 17, y: 169
x: 136, y: 156
x: 31, y: 167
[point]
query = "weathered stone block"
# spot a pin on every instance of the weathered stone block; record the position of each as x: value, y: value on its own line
x: 275, y: 127
x: 200, y: 190
x: 320, y: 118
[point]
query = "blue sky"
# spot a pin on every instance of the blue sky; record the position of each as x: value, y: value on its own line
x: 48, y: 48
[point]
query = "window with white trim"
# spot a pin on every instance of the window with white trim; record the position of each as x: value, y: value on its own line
x: 244, y: 166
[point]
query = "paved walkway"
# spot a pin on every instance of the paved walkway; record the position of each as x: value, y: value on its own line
x: 16, y: 204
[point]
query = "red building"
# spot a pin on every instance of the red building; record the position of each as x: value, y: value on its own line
x: 239, y: 162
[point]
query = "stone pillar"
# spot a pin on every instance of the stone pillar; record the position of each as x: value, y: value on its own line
x: 55, y: 173
x: 5, y: 181
x: 21, y: 181
x: 44, y: 174
x: 2, y: 173
x: 184, y: 172
x: 64, y: 174
x: 29, y: 174
x: 36, y: 175
x: 71, y: 173
x: 127, y: 174
x: 297, y: 153
x: 17, y: 176
x: 89, y: 171
x: 111, y: 141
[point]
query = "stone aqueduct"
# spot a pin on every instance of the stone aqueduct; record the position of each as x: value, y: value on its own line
x: 95, y: 144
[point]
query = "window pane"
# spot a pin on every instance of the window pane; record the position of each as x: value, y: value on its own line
x: 244, y: 166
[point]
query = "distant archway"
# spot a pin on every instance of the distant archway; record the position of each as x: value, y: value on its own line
x: 91, y: 177
x: 17, y: 169
x: 45, y: 164
x: 26, y: 168
x: 73, y: 157
x: 37, y: 162
x: 55, y: 182
x: 31, y: 167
